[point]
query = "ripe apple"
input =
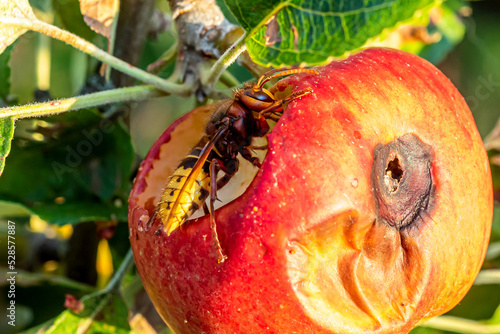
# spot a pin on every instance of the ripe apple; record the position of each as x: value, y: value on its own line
x: 372, y: 210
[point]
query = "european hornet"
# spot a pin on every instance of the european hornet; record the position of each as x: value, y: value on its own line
x: 230, y: 131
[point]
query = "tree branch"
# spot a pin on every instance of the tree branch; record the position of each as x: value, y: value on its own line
x: 133, y: 26
x: 204, y: 35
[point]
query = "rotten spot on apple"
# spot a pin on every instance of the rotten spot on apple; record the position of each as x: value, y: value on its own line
x: 402, y: 180
x: 372, y: 210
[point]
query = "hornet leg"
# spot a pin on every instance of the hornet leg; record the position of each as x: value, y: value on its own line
x: 275, y: 108
x: 247, y: 155
x: 213, y: 198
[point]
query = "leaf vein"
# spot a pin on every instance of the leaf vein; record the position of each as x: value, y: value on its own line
x: 346, y: 13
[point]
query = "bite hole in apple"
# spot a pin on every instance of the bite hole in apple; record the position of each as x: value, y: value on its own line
x: 242, y: 178
x: 173, y: 146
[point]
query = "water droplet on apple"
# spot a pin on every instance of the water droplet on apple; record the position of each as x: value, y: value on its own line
x: 354, y: 183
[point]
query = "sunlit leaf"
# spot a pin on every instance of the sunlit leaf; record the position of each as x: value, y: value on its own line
x: 100, y: 15
x: 6, y: 135
x: 38, y: 329
x: 20, y: 9
x: 312, y: 32
x: 495, y: 319
x: 102, y: 313
x: 6, y: 125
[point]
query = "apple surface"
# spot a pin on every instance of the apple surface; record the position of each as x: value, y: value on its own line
x: 372, y: 209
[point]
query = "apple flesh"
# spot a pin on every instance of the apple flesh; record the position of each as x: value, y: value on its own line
x: 372, y: 210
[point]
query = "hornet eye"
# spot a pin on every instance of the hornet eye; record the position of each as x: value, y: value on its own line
x: 260, y: 95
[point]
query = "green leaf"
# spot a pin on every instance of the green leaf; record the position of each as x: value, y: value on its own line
x: 5, y: 74
x: 41, y: 328
x: 76, y: 167
x: 6, y: 125
x: 307, y: 31
x: 103, y: 313
x: 6, y: 135
x: 495, y: 319
x: 100, y: 312
x: 20, y: 9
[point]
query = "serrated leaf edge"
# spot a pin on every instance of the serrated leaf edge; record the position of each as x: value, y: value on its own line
x: 346, y: 54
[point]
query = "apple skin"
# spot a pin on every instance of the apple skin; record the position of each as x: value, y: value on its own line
x: 309, y: 247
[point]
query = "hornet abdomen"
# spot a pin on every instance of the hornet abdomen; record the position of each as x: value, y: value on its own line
x: 180, y: 199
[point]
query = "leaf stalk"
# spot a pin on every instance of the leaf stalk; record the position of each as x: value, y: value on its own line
x: 135, y: 93
x: 92, y: 50
x: 226, y: 60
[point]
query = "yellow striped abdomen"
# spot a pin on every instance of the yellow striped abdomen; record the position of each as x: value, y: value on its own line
x: 178, y: 204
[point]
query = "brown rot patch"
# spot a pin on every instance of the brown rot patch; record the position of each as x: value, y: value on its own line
x: 402, y: 180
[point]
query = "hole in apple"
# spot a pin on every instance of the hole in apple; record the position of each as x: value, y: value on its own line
x: 173, y: 147
x: 394, y: 169
x: 393, y: 174
x: 241, y: 180
x: 402, y: 180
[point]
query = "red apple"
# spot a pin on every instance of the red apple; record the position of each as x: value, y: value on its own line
x: 372, y: 210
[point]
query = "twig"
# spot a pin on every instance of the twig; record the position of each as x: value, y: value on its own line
x: 125, y: 266
x: 459, y: 325
x: 225, y: 60
x: 83, y: 101
x: 488, y: 276
x: 89, y: 48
